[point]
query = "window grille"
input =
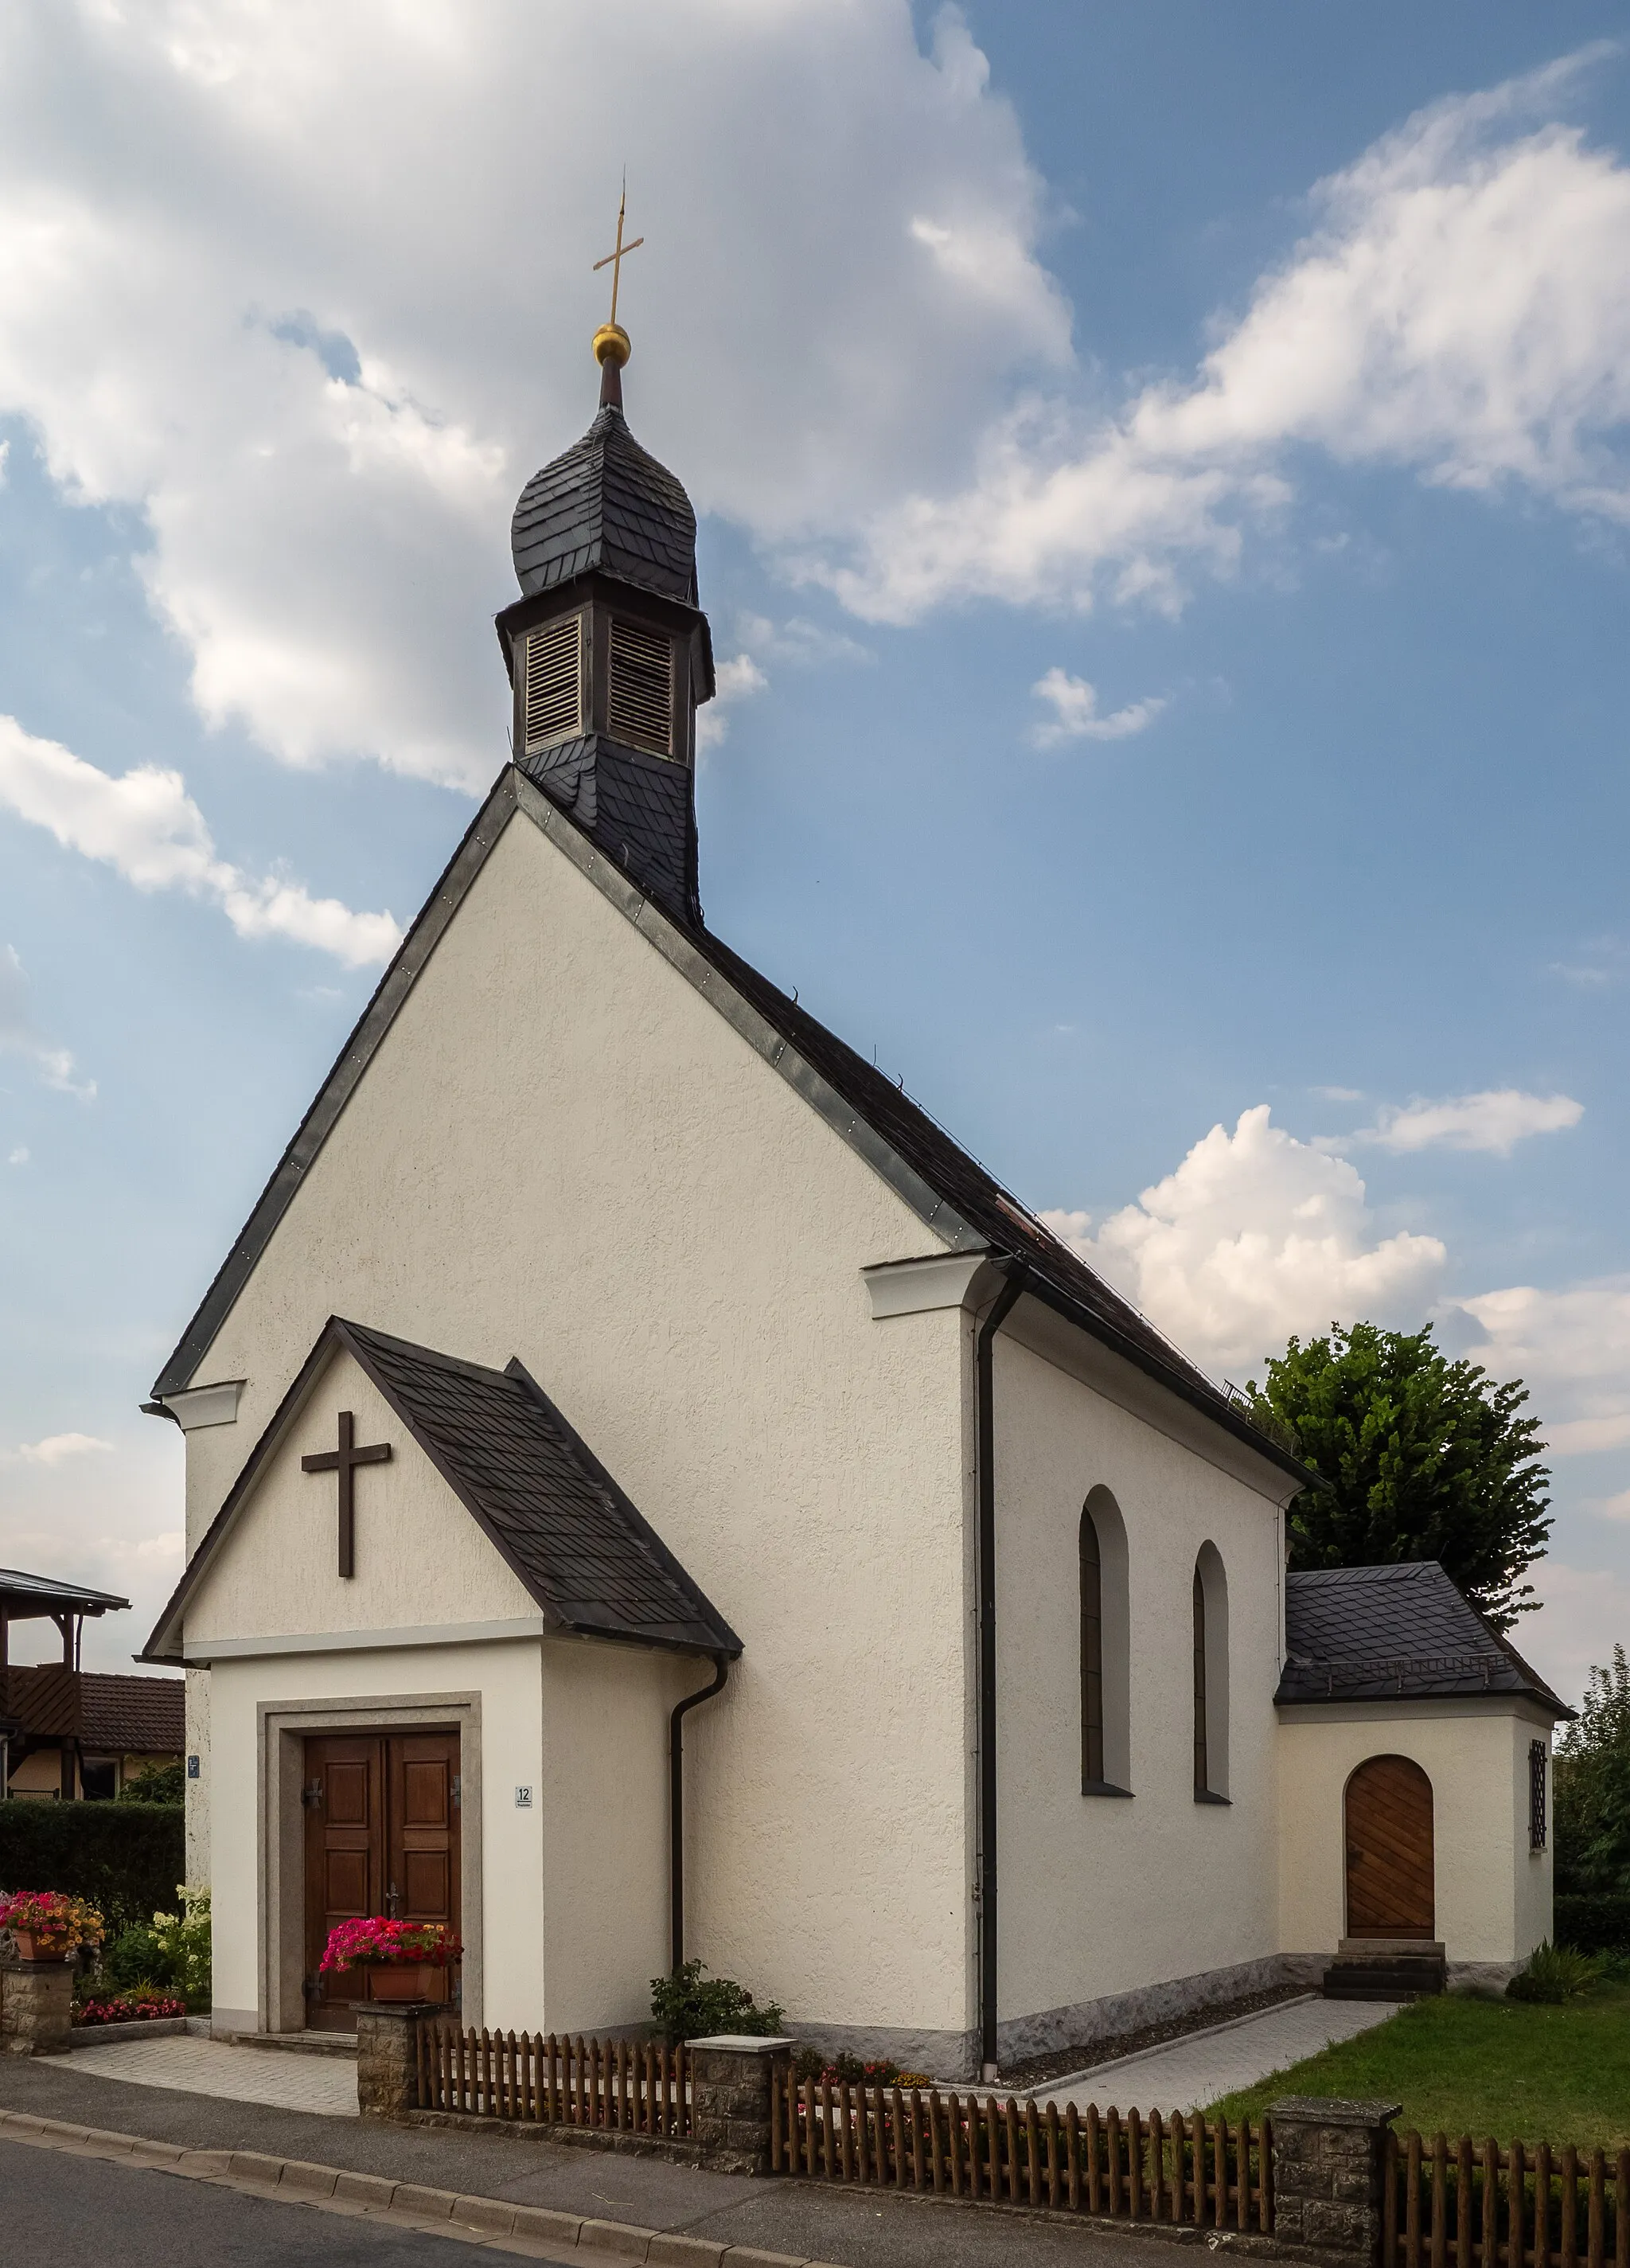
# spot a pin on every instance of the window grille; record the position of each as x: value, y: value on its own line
x: 1537, y: 1823
x: 553, y: 686
x: 641, y: 708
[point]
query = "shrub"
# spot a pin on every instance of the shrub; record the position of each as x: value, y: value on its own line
x: 183, y: 1943
x: 690, y: 2006
x: 811, y: 2064
x: 156, y: 1784
x: 1596, y: 1922
x: 134, y: 1960
x: 125, y: 1859
x: 1555, y: 1973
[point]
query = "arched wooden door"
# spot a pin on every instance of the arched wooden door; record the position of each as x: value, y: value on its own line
x: 1388, y: 1850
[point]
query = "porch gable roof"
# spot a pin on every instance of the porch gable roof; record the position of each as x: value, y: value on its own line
x: 545, y: 1503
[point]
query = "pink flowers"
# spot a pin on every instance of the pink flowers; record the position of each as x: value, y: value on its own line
x: 374, y: 1937
x: 116, y: 2010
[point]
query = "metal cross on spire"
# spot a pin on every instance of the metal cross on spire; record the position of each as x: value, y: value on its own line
x: 614, y: 260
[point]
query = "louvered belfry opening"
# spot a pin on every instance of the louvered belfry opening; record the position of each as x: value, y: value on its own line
x: 553, y: 693
x: 640, y: 703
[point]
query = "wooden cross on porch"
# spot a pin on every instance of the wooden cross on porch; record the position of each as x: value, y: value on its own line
x: 344, y: 1461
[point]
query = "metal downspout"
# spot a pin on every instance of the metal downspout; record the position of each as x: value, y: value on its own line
x: 985, y: 1417
x: 676, y: 1806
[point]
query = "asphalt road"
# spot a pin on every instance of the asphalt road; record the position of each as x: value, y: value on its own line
x: 61, y: 2211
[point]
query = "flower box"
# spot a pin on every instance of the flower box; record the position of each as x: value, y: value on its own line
x: 30, y: 1947
x: 50, y: 1925
x: 402, y: 1980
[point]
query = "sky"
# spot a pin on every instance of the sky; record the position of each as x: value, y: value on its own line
x: 1164, y: 476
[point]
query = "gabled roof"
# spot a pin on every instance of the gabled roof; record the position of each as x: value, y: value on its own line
x: 964, y: 1206
x: 544, y: 1502
x: 1373, y: 1633
x: 22, y: 1595
x: 606, y: 502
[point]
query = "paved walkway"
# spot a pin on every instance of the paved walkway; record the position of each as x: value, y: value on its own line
x: 1186, y: 2074
x: 290, y: 2081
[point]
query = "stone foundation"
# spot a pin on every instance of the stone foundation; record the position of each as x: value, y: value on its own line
x: 1328, y: 2158
x: 36, y: 2007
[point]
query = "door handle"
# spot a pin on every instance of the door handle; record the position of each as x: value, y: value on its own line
x: 392, y: 1900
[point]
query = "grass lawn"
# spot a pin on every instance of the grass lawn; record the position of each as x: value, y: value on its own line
x: 1482, y: 2067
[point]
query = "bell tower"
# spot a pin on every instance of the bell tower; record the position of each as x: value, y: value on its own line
x: 608, y: 653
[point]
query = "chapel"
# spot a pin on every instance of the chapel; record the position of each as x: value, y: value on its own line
x: 650, y: 1494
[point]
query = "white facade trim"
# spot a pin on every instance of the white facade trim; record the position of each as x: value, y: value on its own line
x: 206, y: 1405
x: 1403, y: 1709
x: 916, y: 1287
x: 365, y: 1641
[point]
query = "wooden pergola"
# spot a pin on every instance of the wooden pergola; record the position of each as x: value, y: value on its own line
x: 43, y: 1707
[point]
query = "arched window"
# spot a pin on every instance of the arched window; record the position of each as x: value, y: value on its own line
x: 1210, y: 1677
x: 1105, y: 1651
x: 1091, y: 1654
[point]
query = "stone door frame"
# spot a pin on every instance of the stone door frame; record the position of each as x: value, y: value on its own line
x: 281, y: 1735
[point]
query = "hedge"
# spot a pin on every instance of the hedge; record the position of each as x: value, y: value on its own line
x: 126, y: 1858
x: 1598, y: 1922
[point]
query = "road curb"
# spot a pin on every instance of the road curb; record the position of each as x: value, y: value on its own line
x: 535, y: 2232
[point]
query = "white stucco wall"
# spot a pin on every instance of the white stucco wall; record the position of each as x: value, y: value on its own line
x: 505, y: 1676
x: 1492, y: 1893
x: 1100, y: 1896
x: 562, y: 1152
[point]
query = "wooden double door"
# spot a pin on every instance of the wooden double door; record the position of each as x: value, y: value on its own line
x: 1390, y: 1889
x: 381, y: 1838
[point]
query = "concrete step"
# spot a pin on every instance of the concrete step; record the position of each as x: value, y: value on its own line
x: 1384, y: 1980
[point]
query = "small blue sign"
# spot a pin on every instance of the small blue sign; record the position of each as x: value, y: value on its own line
x: 192, y: 1768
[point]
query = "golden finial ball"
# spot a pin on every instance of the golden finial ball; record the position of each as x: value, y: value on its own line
x: 612, y: 343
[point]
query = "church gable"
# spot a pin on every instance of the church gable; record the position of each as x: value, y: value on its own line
x: 397, y: 1489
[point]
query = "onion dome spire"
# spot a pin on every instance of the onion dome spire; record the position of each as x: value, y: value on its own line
x: 608, y: 653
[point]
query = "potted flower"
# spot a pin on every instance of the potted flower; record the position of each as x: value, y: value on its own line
x: 395, y: 1960
x: 49, y: 1924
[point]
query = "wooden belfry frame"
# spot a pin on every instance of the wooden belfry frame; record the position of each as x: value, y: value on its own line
x: 344, y: 1461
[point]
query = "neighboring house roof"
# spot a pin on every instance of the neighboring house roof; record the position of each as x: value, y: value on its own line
x: 548, y: 1506
x: 133, y: 1716
x: 142, y: 1716
x: 1373, y: 1633
x: 606, y: 502
x: 22, y: 1595
x: 955, y: 1195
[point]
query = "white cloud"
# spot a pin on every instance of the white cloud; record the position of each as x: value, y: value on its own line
x: 1495, y: 1121
x: 1588, y: 1611
x: 1254, y: 1236
x: 19, y: 1156
x: 20, y: 1036
x: 1572, y: 1347
x: 56, y: 1449
x: 146, y: 826
x: 733, y: 680
x: 798, y: 640
x: 292, y: 282
x: 1338, y: 1093
x: 1461, y: 310
x: 1075, y: 704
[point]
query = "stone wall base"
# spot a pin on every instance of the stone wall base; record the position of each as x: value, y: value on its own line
x: 953, y: 2057
x: 1487, y: 1979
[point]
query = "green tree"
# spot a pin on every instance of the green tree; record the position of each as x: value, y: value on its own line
x: 1593, y: 1787
x: 1423, y: 1459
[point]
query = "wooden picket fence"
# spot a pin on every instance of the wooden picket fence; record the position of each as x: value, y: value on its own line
x: 1204, y: 2173
x: 615, y: 2086
x: 1473, y: 2204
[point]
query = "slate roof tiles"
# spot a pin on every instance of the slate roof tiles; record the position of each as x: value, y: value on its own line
x: 1373, y: 1633
x: 606, y: 502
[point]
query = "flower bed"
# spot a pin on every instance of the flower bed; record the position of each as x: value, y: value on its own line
x: 117, y: 2010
